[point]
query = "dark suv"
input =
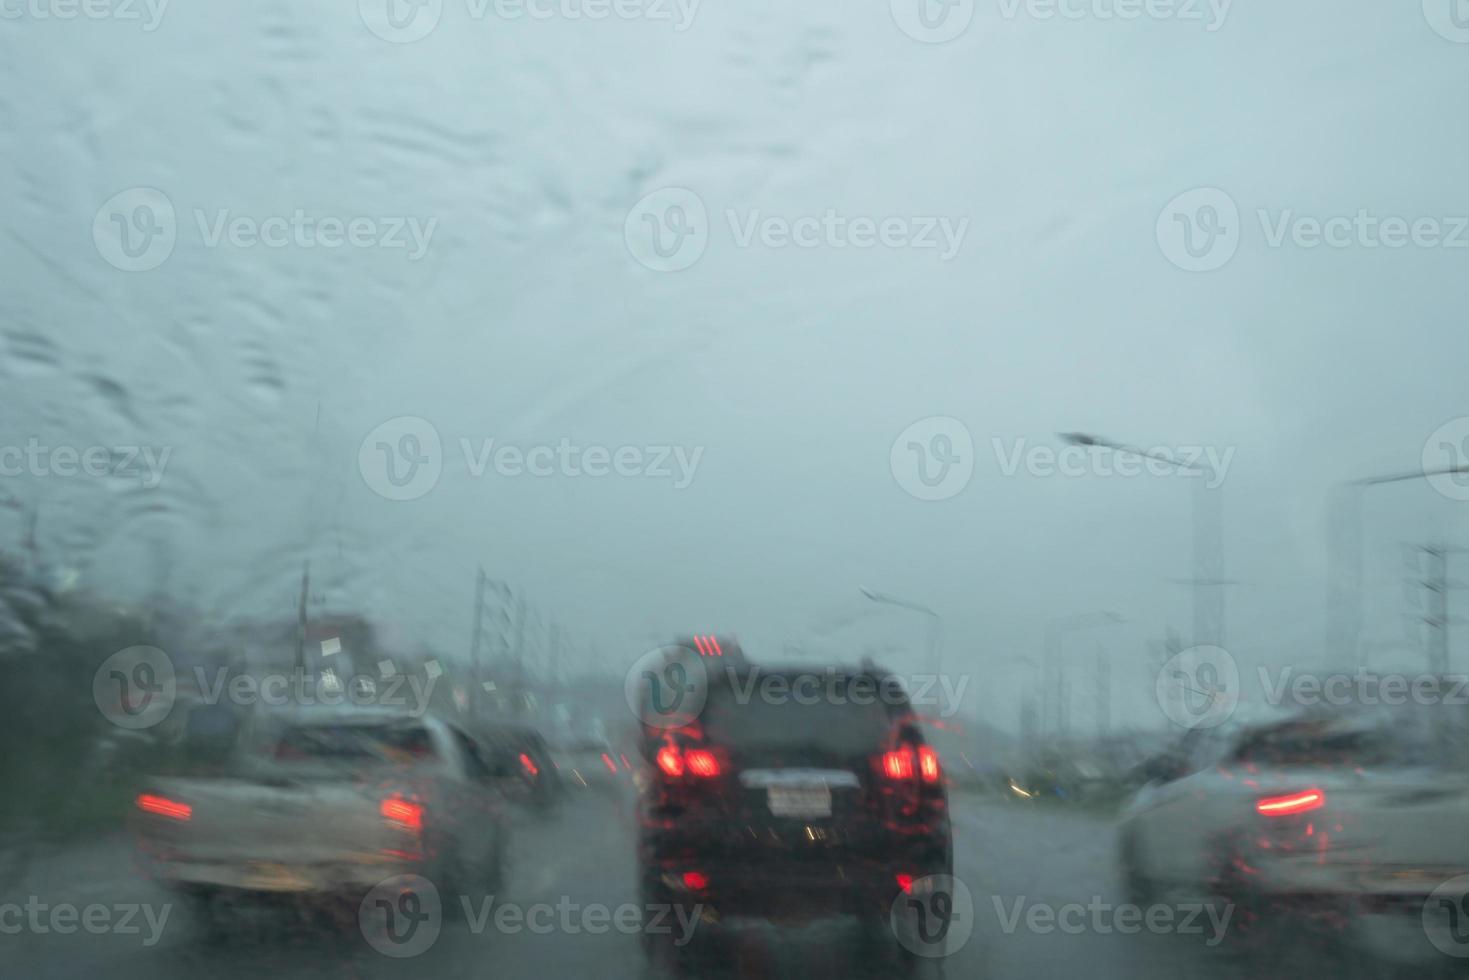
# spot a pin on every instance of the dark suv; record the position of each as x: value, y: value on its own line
x: 791, y: 794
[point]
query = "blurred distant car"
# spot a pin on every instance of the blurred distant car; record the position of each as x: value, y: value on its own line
x: 590, y: 761
x: 327, y: 803
x: 1356, y: 814
x: 521, y: 750
x: 788, y: 810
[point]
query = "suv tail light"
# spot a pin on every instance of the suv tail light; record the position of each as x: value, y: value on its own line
x: 696, y: 762
x: 898, y: 765
x: 701, y: 763
x: 928, y: 764
x: 670, y: 760
x: 164, y: 807
x: 902, y: 764
x: 1292, y: 803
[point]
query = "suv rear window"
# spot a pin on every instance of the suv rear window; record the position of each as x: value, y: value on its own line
x: 832, y: 714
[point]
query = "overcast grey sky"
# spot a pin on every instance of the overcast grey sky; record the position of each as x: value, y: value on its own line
x: 999, y: 231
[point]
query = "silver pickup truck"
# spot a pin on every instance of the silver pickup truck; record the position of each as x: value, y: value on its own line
x: 328, y: 803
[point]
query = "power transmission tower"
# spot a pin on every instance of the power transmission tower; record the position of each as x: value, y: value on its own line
x: 1435, y: 581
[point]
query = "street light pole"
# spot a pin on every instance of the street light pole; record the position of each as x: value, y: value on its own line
x: 1052, y: 703
x: 935, y: 624
x: 1344, y: 556
x: 1208, y: 526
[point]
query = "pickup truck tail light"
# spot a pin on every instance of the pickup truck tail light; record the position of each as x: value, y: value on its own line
x: 403, y: 813
x: 164, y: 807
x: 1291, y: 803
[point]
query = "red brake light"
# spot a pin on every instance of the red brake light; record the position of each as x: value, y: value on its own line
x: 695, y: 762
x: 607, y: 761
x: 708, y: 646
x: 905, y: 882
x: 1280, y: 806
x: 403, y: 812
x: 928, y: 764
x: 165, y: 807
x: 695, y: 880
x: 670, y: 761
x: 529, y: 765
x: 702, y: 762
x: 898, y: 765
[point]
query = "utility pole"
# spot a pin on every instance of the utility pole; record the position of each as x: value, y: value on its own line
x: 476, y: 672
x: 1063, y: 708
x: 553, y: 657
x: 518, y: 656
x: 1104, y: 692
x: 301, y: 616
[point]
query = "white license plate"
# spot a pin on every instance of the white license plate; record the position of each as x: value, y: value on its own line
x: 799, y: 801
x: 274, y: 878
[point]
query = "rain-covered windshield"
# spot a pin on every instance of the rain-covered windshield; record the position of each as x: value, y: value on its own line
x: 511, y: 371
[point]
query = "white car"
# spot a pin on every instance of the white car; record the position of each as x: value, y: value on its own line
x: 1358, y: 816
x: 327, y: 803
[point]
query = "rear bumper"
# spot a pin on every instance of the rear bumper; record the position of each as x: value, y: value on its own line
x: 790, y: 893
x: 328, y: 877
x: 785, y: 886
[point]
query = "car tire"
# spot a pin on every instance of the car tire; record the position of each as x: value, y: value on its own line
x: 1138, y: 887
x: 201, y: 904
x: 661, y: 952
